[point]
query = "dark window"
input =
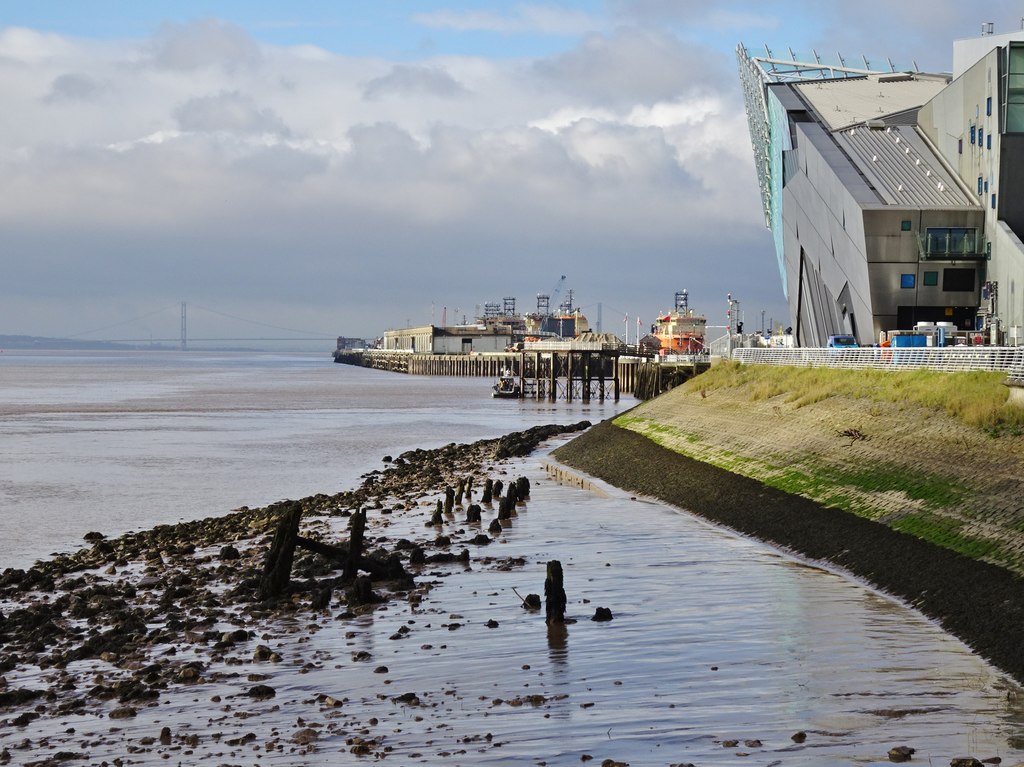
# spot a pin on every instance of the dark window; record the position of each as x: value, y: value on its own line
x: 958, y: 280
x: 981, y: 137
x: 905, y: 225
x: 931, y: 279
x: 907, y: 280
x: 988, y: 106
x: 974, y: 134
x: 979, y: 184
x: 993, y: 201
x: 988, y: 141
x: 960, y: 146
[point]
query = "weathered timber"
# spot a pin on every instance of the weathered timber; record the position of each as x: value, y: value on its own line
x: 357, y: 527
x: 277, y: 567
x: 554, y: 594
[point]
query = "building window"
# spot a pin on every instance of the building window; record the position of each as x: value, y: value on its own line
x: 980, y: 180
x: 907, y: 280
x: 960, y: 146
x: 905, y: 225
x: 988, y: 142
x: 974, y: 134
x: 958, y: 280
x: 931, y: 279
x: 981, y: 137
x: 988, y: 106
x: 1013, y: 89
x: 993, y: 201
x: 951, y: 241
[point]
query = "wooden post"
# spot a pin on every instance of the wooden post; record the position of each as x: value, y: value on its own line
x: 554, y: 594
x: 277, y: 567
x: 357, y: 527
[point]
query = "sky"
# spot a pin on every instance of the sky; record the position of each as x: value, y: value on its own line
x: 341, y: 168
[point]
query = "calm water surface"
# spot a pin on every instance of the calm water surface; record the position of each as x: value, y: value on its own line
x: 123, y: 441
x: 715, y: 637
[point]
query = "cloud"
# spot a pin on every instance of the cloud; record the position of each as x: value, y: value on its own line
x: 362, y: 190
x: 233, y: 112
x: 75, y: 87
x: 525, y: 18
x: 634, y: 66
x: 204, y: 43
x: 405, y: 80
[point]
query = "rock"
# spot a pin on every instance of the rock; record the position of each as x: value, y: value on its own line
x: 93, y: 536
x: 798, y: 737
x: 532, y: 602
x: 602, y: 614
x: 124, y: 712
x: 305, y: 736
x: 964, y: 761
x: 229, y: 553
x: 900, y: 754
x: 261, y: 691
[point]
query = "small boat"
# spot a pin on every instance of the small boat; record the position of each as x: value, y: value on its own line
x: 507, y: 387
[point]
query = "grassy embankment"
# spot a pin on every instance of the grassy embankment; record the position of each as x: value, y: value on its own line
x: 935, y: 455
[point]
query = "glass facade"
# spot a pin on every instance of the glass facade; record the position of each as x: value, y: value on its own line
x: 1013, y: 89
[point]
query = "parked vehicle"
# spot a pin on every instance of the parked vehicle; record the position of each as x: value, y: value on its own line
x: 842, y: 342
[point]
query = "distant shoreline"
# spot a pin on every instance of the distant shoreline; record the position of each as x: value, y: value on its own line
x: 980, y: 603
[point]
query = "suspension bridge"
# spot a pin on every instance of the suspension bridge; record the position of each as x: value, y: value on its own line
x: 184, y: 341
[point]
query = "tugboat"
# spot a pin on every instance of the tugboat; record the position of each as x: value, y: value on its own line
x: 507, y: 387
x: 680, y: 331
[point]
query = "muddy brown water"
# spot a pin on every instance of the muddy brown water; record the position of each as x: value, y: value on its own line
x: 719, y: 651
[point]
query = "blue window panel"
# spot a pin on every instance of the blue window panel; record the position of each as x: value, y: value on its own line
x: 980, y: 180
x: 993, y: 201
x: 988, y: 141
x: 908, y: 280
x: 974, y: 134
x: 981, y: 136
x: 986, y: 186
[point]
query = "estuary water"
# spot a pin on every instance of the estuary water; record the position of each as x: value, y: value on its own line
x: 123, y: 441
x: 720, y: 651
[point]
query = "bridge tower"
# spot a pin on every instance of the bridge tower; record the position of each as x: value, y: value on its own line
x: 184, y: 327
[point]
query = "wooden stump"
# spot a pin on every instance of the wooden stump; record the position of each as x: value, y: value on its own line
x: 357, y: 527
x: 488, y: 491
x: 277, y: 567
x: 554, y: 594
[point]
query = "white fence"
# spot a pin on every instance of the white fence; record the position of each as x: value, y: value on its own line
x: 950, y: 359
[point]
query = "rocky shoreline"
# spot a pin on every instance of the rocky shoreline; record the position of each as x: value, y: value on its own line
x: 107, y: 630
x: 165, y: 644
x: 980, y: 603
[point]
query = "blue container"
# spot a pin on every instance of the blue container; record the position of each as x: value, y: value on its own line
x: 909, y: 341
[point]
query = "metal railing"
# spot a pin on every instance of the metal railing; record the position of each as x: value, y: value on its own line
x: 949, y: 359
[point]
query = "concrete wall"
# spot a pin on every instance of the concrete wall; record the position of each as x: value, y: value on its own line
x: 419, y: 339
x: 823, y: 237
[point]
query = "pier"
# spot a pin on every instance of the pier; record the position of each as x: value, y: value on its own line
x: 552, y: 370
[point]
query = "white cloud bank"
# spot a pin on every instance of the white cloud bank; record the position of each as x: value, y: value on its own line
x: 348, y: 195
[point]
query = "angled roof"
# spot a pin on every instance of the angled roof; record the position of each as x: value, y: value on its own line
x: 902, y: 167
x: 843, y: 102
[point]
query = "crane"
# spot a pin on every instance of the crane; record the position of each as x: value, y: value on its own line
x: 544, y: 299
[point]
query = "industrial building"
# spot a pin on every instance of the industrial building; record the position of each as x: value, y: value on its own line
x: 894, y: 197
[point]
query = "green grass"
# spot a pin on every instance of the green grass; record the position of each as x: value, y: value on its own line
x: 976, y: 398
x: 946, y: 532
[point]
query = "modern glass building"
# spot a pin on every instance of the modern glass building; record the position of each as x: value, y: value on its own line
x: 893, y: 196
